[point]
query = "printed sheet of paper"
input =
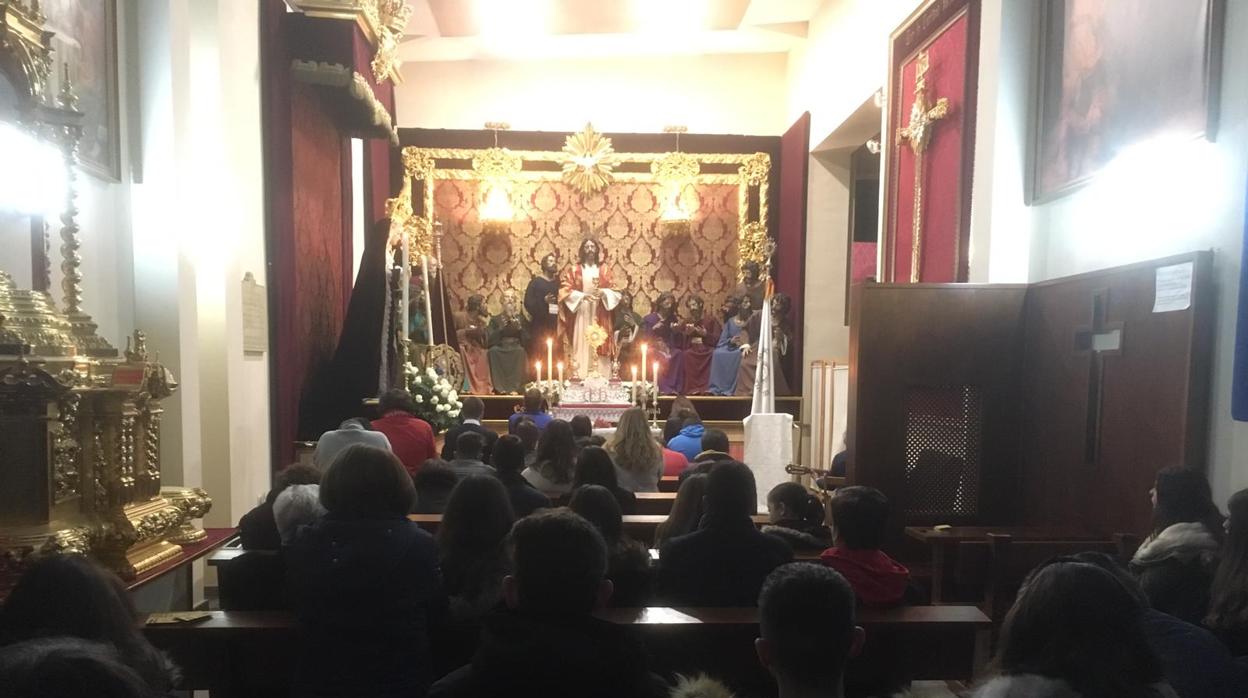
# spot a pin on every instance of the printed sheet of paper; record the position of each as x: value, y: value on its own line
x: 1174, y: 288
x: 255, y: 317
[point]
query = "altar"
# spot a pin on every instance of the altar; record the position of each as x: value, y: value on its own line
x: 601, y: 400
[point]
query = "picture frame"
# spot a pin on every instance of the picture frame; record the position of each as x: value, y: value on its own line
x: 1110, y: 74
x: 85, y: 41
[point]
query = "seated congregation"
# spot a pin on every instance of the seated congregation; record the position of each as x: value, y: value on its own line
x: 525, y: 585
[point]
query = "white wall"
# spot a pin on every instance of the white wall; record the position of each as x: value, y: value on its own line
x: 743, y: 94
x: 1166, y: 197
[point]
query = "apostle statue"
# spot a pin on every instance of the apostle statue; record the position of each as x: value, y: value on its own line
x: 701, y: 332
x: 470, y: 330
x: 508, y: 333
x: 727, y: 357
x: 586, y: 299
x: 627, y: 331
x: 751, y: 285
x: 781, y: 337
x: 541, y: 302
x: 666, y: 332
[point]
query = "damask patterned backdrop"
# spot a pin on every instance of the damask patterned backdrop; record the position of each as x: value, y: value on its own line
x: 550, y: 216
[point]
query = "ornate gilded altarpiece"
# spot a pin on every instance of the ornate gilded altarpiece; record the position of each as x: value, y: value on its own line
x: 727, y: 201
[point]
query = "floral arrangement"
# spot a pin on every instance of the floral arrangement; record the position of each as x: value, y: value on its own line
x: 647, y: 392
x: 436, y: 400
x: 552, y: 391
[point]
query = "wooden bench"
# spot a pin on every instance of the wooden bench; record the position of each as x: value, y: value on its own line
x: 647, y: 502
x: 252, y: 653
x: 669, y: 483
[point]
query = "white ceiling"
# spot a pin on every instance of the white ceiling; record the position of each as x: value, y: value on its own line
x: 455, y: 30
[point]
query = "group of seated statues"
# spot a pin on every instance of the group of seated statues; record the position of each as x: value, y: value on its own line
x: 699, y: 352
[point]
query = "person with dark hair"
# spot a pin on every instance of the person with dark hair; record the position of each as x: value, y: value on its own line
x: 551, y: 472
x: 796, y: 516
x: 534, y: 410
x: 529, y: 435
x: 859, y: 522
x: 477, y: 519
x: 628, y: 561
x: 549, y: 643
x: 509, y: 461
x: 1194, y: 662
x: 1176, y: 563
x: 1228, y: 603
x: 257, y: 530
x: 472, y: 412
x: 752, y: 285
x: 365, y: 584
x: 411, y: 438
x: 725, y: 561
x: 701, y: 329
x: 726, y: 359
x: 594, y: 466
x: 714, y: 451
x: 582, y: 428
x: 541, y: 302
x: 468, y: 456
x: 71, y: 596
x: 689, y: 441
x: 433, y: 482
x: 807, y: 630
x: 1074, y: 632
x: 667, y: 334
x: 356, y: 430
x: 471, y: 332
x: 676, y: 418
x: 68, y: 667
x: 687, y: 510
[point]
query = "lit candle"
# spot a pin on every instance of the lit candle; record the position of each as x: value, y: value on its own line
x: 538, y: 368
x: 644, y: 348
x: 656, y: 382
x: 550, y: 358
x: 634, y: 384
x: 560, y: 373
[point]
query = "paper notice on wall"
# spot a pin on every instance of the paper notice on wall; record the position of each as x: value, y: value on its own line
x: 255, y: 317
x: 1174, y: 288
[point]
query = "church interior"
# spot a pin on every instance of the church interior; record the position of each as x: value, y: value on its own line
x: 624, y: 347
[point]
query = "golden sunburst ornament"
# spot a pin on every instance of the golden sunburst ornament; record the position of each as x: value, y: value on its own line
x: 589, y: 160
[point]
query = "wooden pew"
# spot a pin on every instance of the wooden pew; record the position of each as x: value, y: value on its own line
x: 669, y: 483
x: 655, y: 503
x: 640, y: 527
x: 252, y: 653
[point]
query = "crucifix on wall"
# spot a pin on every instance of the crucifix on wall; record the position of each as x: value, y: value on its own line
x: 1100, y: 341
x: 918, y: 133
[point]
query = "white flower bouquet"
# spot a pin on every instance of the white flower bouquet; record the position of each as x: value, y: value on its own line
x: 437, y: 401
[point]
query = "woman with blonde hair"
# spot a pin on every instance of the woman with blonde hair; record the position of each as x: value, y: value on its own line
x: 638, y: 458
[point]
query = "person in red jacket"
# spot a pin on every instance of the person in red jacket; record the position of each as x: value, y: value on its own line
x: 411, y: 438
x: 859, y: 519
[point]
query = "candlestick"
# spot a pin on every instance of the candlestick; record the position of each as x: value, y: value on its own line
x: 538, y: 367
x: 424, y: 267
x: 634, y: 384
x: 644, y: 348
x: 550, y: 359
x: 560, y: 373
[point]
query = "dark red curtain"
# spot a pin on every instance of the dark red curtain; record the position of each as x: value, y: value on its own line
x: 790, y: 262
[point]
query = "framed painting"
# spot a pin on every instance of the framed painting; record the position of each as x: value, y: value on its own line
x: 1114, y: 73
x: 85, y: 42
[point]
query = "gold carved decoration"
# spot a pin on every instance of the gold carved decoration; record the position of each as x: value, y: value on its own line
x: 382, y: 21
x: 918, y: 133
x: 675, y: 168
x: 755, y: 245
x: 756, y: 168
x: 588, y: 160
x: 28, y: 48
x: 497, y: 164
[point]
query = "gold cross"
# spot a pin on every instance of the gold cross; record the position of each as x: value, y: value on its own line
x: 918, y: 133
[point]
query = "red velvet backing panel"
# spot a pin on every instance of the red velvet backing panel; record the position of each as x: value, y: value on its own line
x: 319, y: 284
x: 952, y: 44
x: 790, y: 261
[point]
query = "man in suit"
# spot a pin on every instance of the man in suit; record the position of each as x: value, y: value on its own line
x: 472, y: 411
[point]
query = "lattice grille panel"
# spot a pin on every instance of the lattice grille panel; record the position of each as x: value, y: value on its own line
x: 944, y: 431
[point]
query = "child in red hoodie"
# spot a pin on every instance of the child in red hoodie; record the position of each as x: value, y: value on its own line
x: 859, y: 518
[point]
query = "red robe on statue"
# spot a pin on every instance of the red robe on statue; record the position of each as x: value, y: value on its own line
x: 571, y: 289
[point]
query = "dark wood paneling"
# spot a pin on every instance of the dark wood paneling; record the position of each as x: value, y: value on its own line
x: 909, y: 336
x: 1154, y: 395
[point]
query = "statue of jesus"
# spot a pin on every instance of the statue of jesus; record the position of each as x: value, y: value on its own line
x: 586, y: 299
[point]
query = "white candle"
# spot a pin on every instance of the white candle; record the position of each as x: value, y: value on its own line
x: 656, y: 382
x: 538, y: 370
x: 550, y: 359
x: 644, y: 348
x: 406, y: 280
x: 424, y: 267
x: 560, y: 373
x: 634, y: 384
